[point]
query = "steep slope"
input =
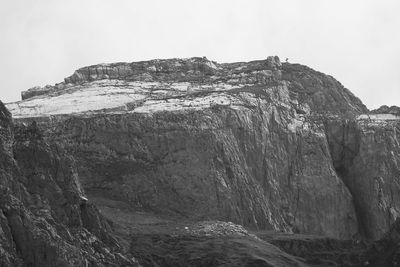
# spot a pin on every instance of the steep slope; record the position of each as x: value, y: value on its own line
x: 263, y: 144
x: 366, y: 154
x: 45, y: 219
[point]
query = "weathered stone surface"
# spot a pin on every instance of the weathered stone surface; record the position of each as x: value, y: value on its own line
x: 43, y: 218
x: 258, y: 159
x: 366, y: 154
x: 324, y: 94
x: 37, y: 91
x: 265, y: 144
x: 183, y: 164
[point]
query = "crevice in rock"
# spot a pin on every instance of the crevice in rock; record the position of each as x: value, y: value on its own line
x: 362, y: 227
x: 343, y: 143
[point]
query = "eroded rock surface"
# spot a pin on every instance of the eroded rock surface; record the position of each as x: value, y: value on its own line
x: 263, y: 144
x: 45, y: 219
x: 366, y: 154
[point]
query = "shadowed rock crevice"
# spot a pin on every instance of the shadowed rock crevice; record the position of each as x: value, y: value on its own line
x: 343, y: 139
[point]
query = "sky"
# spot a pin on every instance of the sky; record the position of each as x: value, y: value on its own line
x: 356, y: 41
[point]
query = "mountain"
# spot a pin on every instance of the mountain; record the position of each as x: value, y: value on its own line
x: 164, y: 144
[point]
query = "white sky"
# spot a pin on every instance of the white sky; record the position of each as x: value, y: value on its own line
x: 356, y: 41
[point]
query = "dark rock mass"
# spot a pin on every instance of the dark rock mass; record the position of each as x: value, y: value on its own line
x: 162, y: 145
x: 45, y: 218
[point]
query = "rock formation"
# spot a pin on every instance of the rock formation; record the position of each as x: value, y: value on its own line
x: 45, y: 218
x: 394, y: 110
x: 265, y: 144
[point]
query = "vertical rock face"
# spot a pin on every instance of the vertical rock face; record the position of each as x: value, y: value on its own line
x: 44, y: 218
x: 231, y: 165
x: 366, y: 154
x: 264, y: 144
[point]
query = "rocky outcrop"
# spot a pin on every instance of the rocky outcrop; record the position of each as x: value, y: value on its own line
x: 395, y: 110
x: 37, y: 91
x: 324, y: 95
x: 45, y: 218
x: 263, y: 144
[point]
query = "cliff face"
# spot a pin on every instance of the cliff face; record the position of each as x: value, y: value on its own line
x: 366, y: 154
x: 264, y: 144
x: 45, y: 219
x: 233, y: 165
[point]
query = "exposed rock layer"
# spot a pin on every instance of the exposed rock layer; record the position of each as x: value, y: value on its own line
x: 264, y: 144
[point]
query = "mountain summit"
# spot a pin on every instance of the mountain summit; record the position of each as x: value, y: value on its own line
x: 268, y: 145
x: 177, y: 84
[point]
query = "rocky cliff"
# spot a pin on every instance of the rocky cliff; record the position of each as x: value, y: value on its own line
x: 263, y: 144
x: 45, y: 217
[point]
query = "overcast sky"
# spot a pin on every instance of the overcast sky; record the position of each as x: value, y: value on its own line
x: 356, y: 41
